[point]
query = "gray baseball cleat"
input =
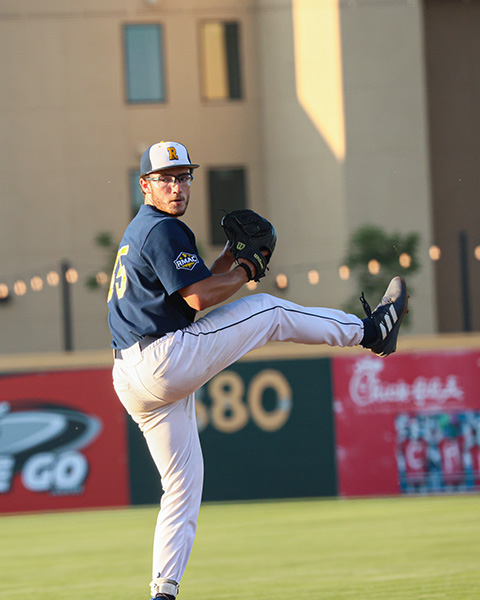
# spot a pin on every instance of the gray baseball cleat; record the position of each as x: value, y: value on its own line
x: 387, y: 317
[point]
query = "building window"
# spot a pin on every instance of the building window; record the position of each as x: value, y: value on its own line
x: 136, y: 196
x: 220, y: 60
x: 227, y: 192
x: 144, y: 70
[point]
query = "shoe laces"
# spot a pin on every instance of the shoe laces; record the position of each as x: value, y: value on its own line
x: 366, y: 305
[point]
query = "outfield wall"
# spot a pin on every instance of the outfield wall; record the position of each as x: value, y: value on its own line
x: 286, y: 421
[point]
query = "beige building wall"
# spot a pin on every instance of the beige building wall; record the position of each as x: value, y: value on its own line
x: 69, y: 140
x: 452, y: 52
x: 352, y: 152
x: 304, y: 177
x: 387, y: 166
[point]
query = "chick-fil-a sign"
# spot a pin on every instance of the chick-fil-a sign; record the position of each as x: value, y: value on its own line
x: 409, y: 423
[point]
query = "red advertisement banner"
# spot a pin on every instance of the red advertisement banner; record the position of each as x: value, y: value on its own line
x: 62, y: 442
x: 407, y: 424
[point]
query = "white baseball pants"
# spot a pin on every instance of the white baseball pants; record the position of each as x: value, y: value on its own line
x: 157, y: 387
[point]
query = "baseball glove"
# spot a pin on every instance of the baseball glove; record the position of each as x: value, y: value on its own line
x: 249, y: 234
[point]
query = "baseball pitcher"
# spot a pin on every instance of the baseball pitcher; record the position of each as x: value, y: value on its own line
x: 163, y: 353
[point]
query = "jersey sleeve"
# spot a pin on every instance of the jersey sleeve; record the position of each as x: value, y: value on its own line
x: 171, y: 251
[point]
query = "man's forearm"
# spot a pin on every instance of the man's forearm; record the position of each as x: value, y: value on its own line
x: 213, y: 290
x: 223, y: 263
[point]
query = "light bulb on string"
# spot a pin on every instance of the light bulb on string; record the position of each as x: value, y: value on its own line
x: 20, y: 287
x: 344, y: 272
x: 313, y: 277
x: 434, y: 252
x: 374, y: 267
x: 53, y: 278
x: 36, y: 283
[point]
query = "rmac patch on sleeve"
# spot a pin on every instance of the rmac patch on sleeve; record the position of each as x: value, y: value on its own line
x: 187, y: 261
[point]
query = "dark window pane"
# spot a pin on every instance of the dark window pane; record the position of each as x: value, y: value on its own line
x: 233, y: 60
x: 227, y: 190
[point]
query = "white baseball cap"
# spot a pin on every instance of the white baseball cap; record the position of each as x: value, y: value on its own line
x: 165, y: 155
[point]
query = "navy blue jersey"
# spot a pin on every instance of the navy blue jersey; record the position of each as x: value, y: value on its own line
x: 157, y: 256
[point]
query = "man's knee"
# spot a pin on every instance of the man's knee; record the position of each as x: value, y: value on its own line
x: 263, y: 299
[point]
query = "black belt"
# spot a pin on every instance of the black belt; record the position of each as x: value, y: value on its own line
x: 143, y: 343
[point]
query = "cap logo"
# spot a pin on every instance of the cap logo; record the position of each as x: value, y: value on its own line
x: 172, y: 153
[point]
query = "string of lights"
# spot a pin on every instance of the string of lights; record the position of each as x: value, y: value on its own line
x: 50, y: 277
x: 374, y: 268
x: 43, y: 279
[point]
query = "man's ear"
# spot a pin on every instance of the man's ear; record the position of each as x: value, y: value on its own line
x: 144, y: 185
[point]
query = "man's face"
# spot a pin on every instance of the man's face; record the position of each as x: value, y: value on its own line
x: 168, y: 195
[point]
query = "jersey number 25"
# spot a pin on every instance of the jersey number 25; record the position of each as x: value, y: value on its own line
x: 118, y: 283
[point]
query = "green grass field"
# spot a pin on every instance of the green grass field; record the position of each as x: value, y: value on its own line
x: 397, y: 548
